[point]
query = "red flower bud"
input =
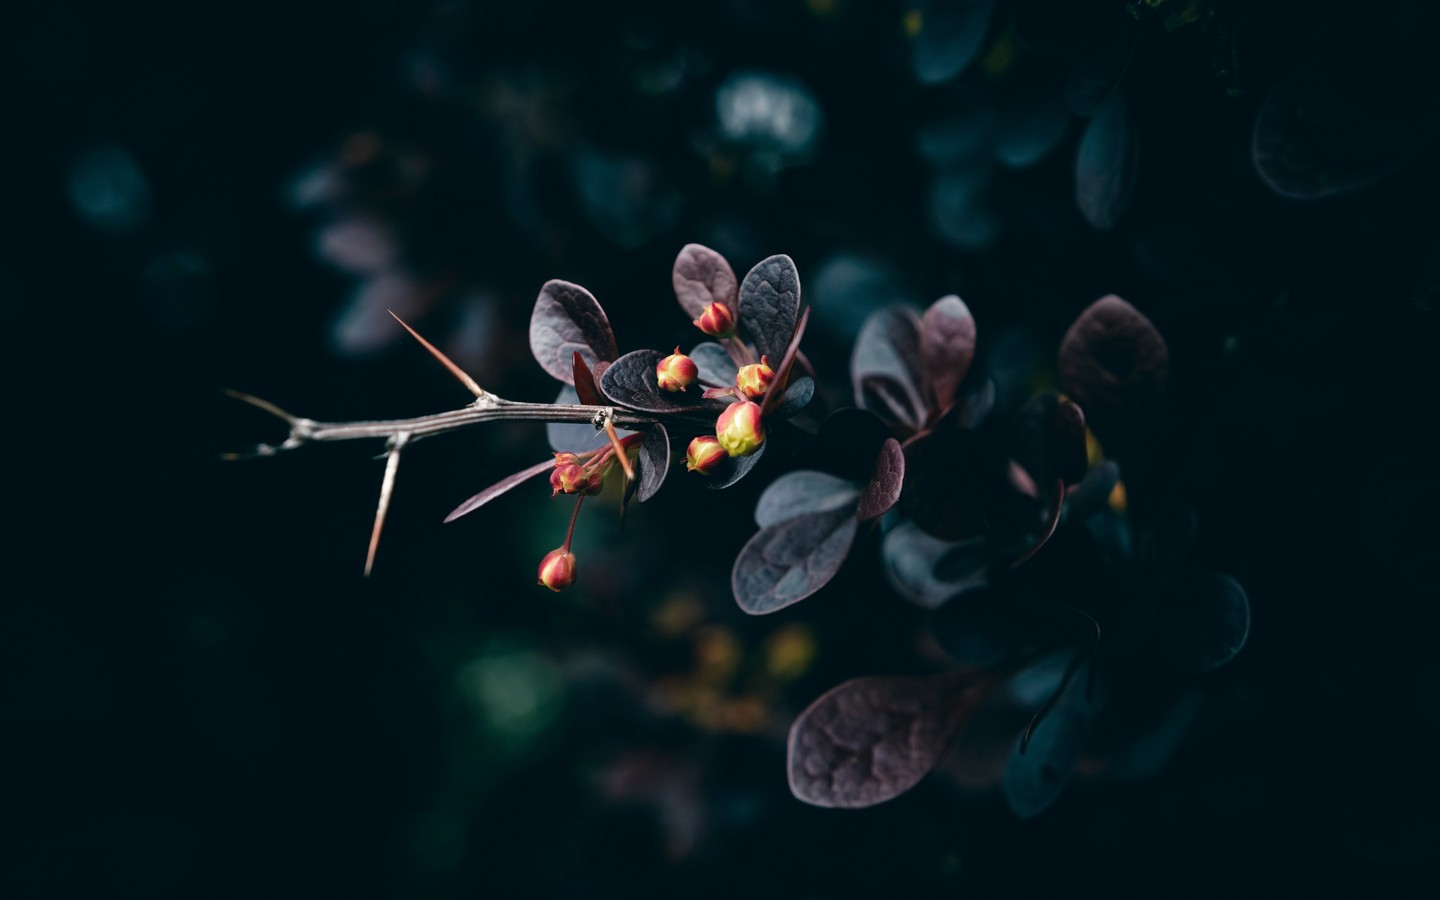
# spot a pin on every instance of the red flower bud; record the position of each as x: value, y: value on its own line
x: 568, y: 478
x: 716, y: 321
x: 739, y: 428
x: 704, y: 454
x: 557, y: 569
x: 753, y: 380
x: 676, y: 372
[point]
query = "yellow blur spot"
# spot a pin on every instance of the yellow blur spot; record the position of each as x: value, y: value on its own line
x: 789, y: 651
x: 822, y: 8
x: 1117, y: 499
x: 677, y: 614
x: 745, y: 715
x: 717, y: 653
x: 912, y: 22
x: 1094, y: 453
x: 1001, y: 55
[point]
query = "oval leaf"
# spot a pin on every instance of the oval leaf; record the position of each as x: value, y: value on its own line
x: 871, y: 739
x: 1115, y: 364
x: 804, y: 491
x: 797, y: 396
x: 884, y: 487
x: 583, y: 377
x: 498, y: 488
x: 885, y: 367
x: 654, y: 461
x: 1034, y: 778
x: 788, y: 562
x: 630, y: 382
x: 568, y: 319
x: 701, y: 277
x: 716, y: 367
x: 1105, y: 165
x: 732, y: 469
x: 947, y: 347
x: 770, y: 305
x: 951, y: 32
x: 912, y: 560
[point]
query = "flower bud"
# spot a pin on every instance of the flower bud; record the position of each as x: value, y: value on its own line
x: 753, y: 380
x: 739, y: 428
x: 716, y: 321
x: 557, y: 569
x: 704, y: 454
x: 676, y: 372
x: 568, y: 478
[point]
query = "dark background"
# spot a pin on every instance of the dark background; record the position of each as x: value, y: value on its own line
x: 224, y: 707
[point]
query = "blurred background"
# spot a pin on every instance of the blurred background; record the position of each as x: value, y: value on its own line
x: 231, y: 196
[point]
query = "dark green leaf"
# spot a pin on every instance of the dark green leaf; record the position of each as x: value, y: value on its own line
x: 1106, y: 164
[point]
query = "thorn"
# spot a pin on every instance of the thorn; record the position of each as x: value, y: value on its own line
x: 266, y: 405
x: 620, y: 453
x: 387, y: 486
x: 455, y: 370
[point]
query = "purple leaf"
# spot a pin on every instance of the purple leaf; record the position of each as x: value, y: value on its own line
x: 630, y: 382
x: 715, y: 365
x: 701, y: 277
x: 884, y: 487
x: 869, y: 740
x: 770, y: 305
x: 1050, y: 439
x: 584, y: 380
x: 885, y: 368
x: 654, y: 460
x: 732, y: 469
x: 498, y: 488
x: 568, y: 319
x: 951, y: 33
x: 803, y: 491
x: 1115, y: 364
x: 788, y: 562
x: 947, y: 347
x: 1106, y: 164
x: 1052, y: 521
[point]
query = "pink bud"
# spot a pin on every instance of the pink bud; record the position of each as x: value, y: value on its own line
x: 568, y: 478
x: 716, y: 321
x: 704, y: 454
x: 557, y: 569
x: 753, y: 380
x: 739, y: 428
x: 676, y: 372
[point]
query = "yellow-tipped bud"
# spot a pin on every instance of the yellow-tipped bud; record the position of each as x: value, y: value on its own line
x: 716, y: 321
x: 754, y: 380
x: 676, y: 372
x: 704, y: 454
x: 557, y: 569
x: 739, y: 428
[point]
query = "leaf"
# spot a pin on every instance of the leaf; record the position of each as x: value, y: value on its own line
x: 797, y: 396
x: 583, y: 378
x: 770, y: 305
x: 732, y: 469
x: 789, y: 561
x: 630, y: 382
x: 573, y: 437
x: 701, y: 277
x: 1034, y: 778
x: 787, y: 362
x: 869, y: 740
x: 803, y: 491
x: 947, y: 347
x: 1115, y: 364
x: 884, y: 487
x: 951, y: 33
x: 1050, y: 439
x: 1029, y: 130
x: 715, y: 365
x: 568, y: 319
x: 498, y: 488
x: 1088, y: 497
x: 912, y: 565
x: 1204, y: 621
x: 1106, y: 164
x: 885, y: 367
x: 654, y: 460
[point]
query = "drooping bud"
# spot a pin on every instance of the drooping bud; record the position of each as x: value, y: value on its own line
x: 676, y: 372
x: 754, y: 380
x: 557, y: 569
x: 739, y: 428
x: 716, y: 321
x: 704, y: 454
x: 568, y: 478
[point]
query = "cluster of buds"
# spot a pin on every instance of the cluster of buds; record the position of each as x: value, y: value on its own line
x: 582, y: 474
x: 572, y: 476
